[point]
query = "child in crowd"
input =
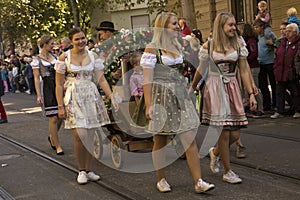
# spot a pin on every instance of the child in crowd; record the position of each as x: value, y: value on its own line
x: 264, y: 15
x: 137, y: 78
x: 292, y: 16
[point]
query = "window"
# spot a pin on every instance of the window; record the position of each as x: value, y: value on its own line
x: 140, y: 21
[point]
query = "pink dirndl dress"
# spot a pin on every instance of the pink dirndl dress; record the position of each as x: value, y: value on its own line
x: 222, y: 100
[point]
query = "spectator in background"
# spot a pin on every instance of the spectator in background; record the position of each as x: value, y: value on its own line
x: 285, y: 71
x: 185, y: 30
x: 29, y: 74
x: 197, y: 34
x: 15, y: 79
x: 65, y: 44
x: 3, y: 116
x: 90, y: 44
x: 265, y: 16
x: 266, y: 61
x: 282, y: 33
x: 4, y: 76
x: 292, y: 17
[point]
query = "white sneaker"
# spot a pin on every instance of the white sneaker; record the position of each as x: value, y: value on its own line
x: 203, y: 186
x: 214, y: 161
x: 91, y: 176
x: 296, y: 115
x: 163, y: 186
x: 17, y: 91
x: 28, y: 92
x: 276, y: 115
x: 82, y: 178
x: 231, y: 177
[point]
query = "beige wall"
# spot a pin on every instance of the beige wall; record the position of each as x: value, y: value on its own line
x: 278, y: 10
x: 207, y: 8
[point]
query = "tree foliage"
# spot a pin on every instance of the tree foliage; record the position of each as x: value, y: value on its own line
x: 26, y: 20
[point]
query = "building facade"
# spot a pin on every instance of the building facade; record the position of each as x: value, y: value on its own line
x: 243, y: 10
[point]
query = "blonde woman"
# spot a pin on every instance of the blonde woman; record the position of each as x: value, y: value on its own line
x: 168, y: 107
x: 222, y: 102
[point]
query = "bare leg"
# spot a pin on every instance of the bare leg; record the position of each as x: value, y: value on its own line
x: 80, y: 151
x: 54, y: 125
x: 193, y: 160
x: 225, y: 140
x: 158, y: 155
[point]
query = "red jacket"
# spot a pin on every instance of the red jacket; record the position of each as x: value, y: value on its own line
x: 285, y: 58
x: 252, y: 47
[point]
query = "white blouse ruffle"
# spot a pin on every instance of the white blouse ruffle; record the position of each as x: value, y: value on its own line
x: 149, y: 60
x: 60, y: 66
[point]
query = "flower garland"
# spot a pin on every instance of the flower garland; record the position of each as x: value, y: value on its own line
x: 119, y: 45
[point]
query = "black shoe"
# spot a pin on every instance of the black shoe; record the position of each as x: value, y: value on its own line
x: 53, y: 147
x: 60, y: 153
x: 2, y: 121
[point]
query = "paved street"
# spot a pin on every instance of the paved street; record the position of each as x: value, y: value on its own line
x: 30, y: 169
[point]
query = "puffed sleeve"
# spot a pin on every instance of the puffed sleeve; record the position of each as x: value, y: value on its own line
x: 148, y: 60
x: 243, y: 52
x: 99, y: 64
x: 60, y: 67
x: 35, y: 63
x: 204, y: 61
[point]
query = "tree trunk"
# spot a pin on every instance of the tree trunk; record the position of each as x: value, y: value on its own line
x: 75, y: 12
x: 188, y: 12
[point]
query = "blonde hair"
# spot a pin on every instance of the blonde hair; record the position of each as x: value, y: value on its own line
x: 160, y: 34
x: 262, y: 3
x: 219, y: 36
x: 45, y: 39
x: 135, y: 59
x: 291, y: 12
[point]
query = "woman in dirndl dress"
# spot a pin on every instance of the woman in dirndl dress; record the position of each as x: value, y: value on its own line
x: 169, y: 109
x: 43, y: 66
x: 79, y: 101
x: 222, y: 105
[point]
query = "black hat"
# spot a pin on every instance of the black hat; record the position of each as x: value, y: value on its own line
x: 106, y: 26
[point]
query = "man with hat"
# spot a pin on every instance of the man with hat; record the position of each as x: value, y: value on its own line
x: 106, y: 30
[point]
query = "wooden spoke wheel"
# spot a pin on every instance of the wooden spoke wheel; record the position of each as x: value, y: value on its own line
x: 116, y: 150
x: 98, y: 145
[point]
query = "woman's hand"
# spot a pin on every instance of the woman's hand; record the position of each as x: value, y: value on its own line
x: 149, y: 112
x: 61, y: 112
x: 39, y: 101
x: 253, y: 102
x: 114, y: 103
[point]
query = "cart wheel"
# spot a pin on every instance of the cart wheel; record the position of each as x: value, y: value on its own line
x: 116, y: 148
x: 98, y: 145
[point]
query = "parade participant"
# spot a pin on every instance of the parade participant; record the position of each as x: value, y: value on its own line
x: 164, y: 89
x: 79, y: 101
x: 43, y: 66
x: 137, y: 78
x: 222, y: 102
x: 105, y: 30
x: 285, y: 71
